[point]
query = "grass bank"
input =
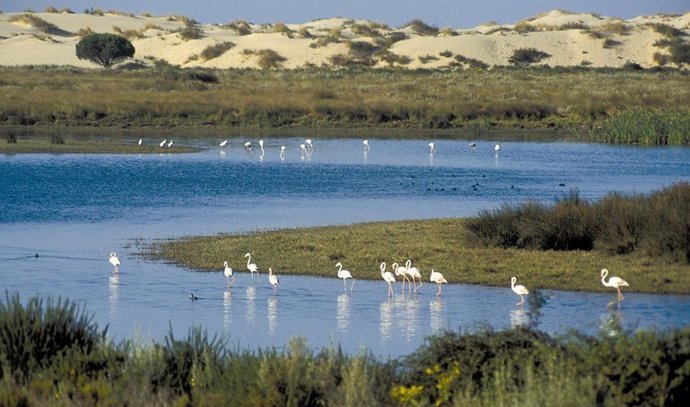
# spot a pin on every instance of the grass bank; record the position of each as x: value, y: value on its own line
x: 446, y: 245
x: 51, y: 353
x: 46, y: 145
x: 581, y: 99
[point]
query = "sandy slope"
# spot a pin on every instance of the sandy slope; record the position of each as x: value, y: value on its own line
x: 580, y: 42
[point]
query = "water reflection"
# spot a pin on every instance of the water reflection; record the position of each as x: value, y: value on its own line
x: 518, y: 318
x: 114, y: 294
x: 343, y: 312
x: 272, y: 315
x: 251, y: 305
x: 385, y: 320
x: 437, y: 315
x: 227, y: 309
x: 610, y: 322
x: 410, y: 320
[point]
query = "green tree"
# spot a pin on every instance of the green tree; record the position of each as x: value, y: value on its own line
x: 105, y: 49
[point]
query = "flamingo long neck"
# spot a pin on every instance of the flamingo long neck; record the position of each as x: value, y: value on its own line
x: 249, y: 259
x: 408, y: 264
x: 604, y: 274
x: 512, y: 283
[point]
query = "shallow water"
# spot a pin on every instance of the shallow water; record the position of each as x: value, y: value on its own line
x: 74, y: 209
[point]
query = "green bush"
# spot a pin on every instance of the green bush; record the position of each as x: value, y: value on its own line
x: 104, y: 49
x: 422, y: 28
x: 191, y: 32
x: 648, y: 127
x: 33, y: 335
x: 216, y: 50
x: 527, y: 56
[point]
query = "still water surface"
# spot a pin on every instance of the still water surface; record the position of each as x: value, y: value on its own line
x: 74, y: 209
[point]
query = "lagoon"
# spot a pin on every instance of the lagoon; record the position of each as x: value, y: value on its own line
x: 72, y: 210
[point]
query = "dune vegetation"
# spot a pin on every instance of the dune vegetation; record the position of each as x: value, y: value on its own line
x: 52, y: 353
x: 597, y: 104
x: 564, y: 246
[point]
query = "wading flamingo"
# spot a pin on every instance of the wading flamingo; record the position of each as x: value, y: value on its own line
x: 261, y: 145
x: 366, y: 145
x: 438, y: 278
x: 163, y: 142
x: 344, y: 274
x: 251, y: 266
x: 228, y: 273
x: 415, y: 273
x: 432, y: 148
x: 387, y: 277
x: 615, y: 282
x: 519, y: 290
x: 113, y: 260
x: 273, y: 279
x: 402, y: 271
x: 282, y: 152
x: 309, y: 144
x: 223, y: 143
x: 473, y: 146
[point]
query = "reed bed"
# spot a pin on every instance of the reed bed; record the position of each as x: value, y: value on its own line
x: 483, y: 367
x: 169, y: 96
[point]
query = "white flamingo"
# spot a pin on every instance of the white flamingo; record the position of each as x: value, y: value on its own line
x: 415, y: 273
x: 366, y: 145
x: 520, y: 290
x: 223, y: 143
x: 248, y: 145
x: 170, y: 143
x: 310, y: 146
x: 303, y: 150
x: 282, y: 152
x: 387, y: 277
x: 273, y: 279
x: 115, y: 262
x: 402, y: 271
x: 615, y: 282
x: 344, y: 274
x: 261, y: 145
x: 438, y: 278
x: 163, y: 142
x: 473, y: 146
x: 228, y: 273
x: 251, y: 266
x: 497, y: 148
x: 141, y: 141
x: 432, y: 148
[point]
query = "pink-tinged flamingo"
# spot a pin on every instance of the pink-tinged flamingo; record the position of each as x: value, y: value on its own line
x: 415, y: 273
x: 228, y: 273
x: 402, y: 271
x: 519, y: 290
x: 615, y: 282
x: 387, y: 277
x: 344, y: 274
x: 273, y: 279
x: 438, y: 278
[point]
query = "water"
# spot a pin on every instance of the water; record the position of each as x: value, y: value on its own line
x: 75, y: 209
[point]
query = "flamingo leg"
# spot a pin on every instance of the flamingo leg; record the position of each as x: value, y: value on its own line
x: 522, y: 301
x: 233, y: 281
x: 344, y: 285
x: 620, y: 294
x: 438, y: 294
x: 353, y: 284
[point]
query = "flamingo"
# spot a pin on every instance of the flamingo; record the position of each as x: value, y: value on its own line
x: 438, y: 278
x: 366, y: 145
x: 282, y: 152
x: 387, y: 277
x: 251, y: 266
x: 309, y: 144
x: 519, y: 290
x: 415, y: 273
x: 113, y: 260
x: 303, y: 149
x: 344, y: 274
x: 228, y: 273
x: 163, y: 142
x: 497, y: 148
x: 432, y: 148
x: 473, y: 146
x: 223, y: 143
x: 140, y: 141
x: 273, y: 279
x: 402, y: 271
x: 261, y: 145
x: 615, y: 282
x: 248, y: 145
x: 170, y: 143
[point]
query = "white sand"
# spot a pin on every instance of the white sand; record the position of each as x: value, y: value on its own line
x: 493, y: 44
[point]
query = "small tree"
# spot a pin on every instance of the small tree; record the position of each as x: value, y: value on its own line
x: 105, y: 49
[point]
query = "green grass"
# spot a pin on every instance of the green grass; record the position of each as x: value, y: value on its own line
x: 444, y: 245
x: 166, y: 96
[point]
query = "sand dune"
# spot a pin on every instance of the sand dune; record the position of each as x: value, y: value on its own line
x: 570, y: 39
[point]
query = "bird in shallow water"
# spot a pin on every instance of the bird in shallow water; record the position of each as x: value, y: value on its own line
x: 193, y: 297
x: 519, y: 290
x: 615, y: 282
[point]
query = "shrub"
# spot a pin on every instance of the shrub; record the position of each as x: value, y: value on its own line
x: 680, y: 52
x: 473, y: 63
x: 40, y: 24
x: 304, y: 32
x: 421, y: 28
x: 425, y: 59
x: 660, y: 59
x: 448, y: 32
x: 267, y: 58
x: 610, y: 43
x: 241, y: 27
x: 527, y: 56
x: 281, y: 28
x: 191, y: 33
x: 50, y: 9
x: 216, y: 50
x: 104, y: 49
x: 56, y: 139
x: 523, y: 27
x: 668, y: 31
x: 33, y: 335
x: 446, y: 54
